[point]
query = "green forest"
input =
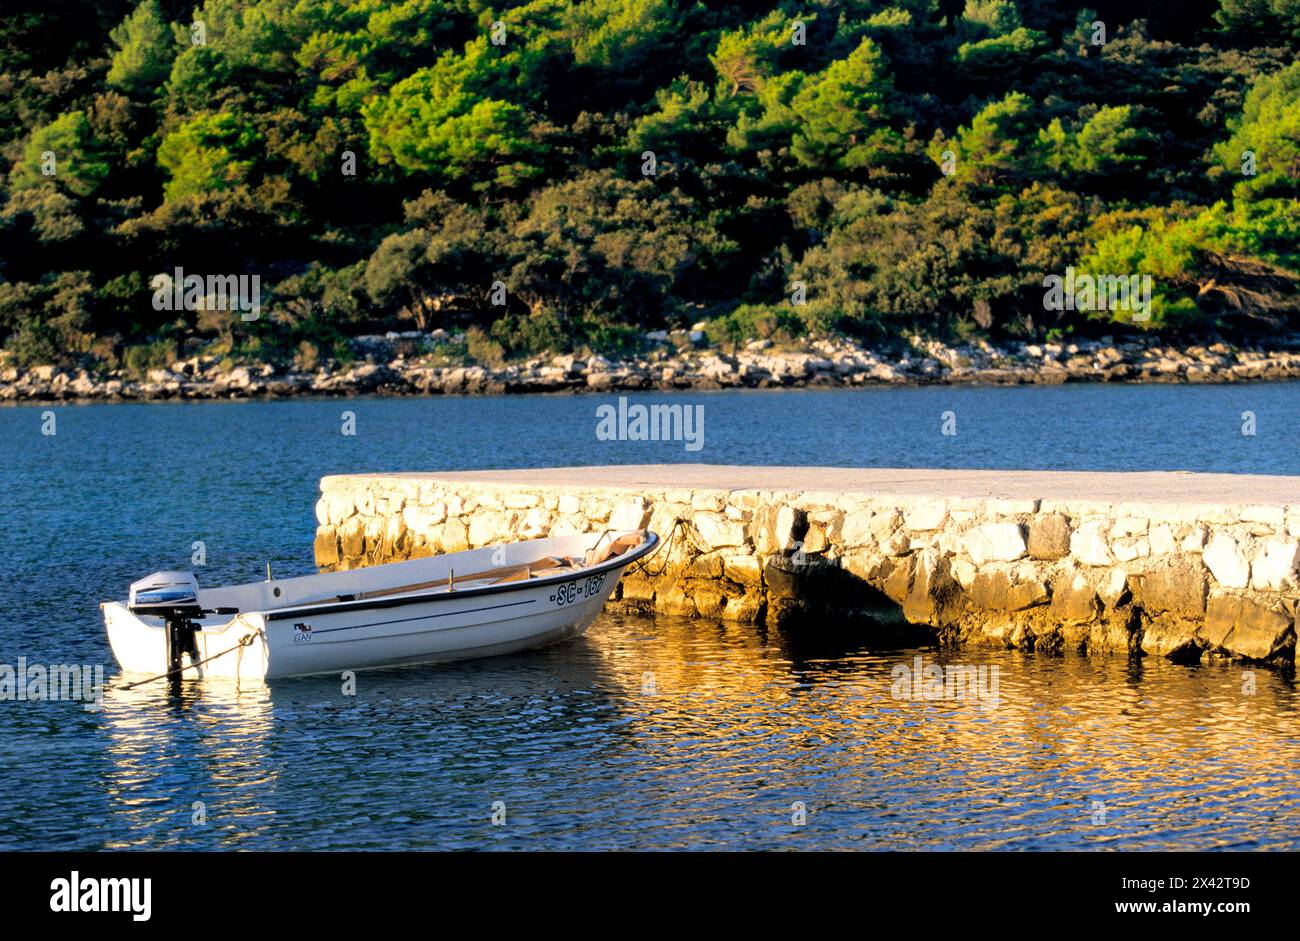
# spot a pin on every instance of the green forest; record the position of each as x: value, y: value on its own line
x: 558, y: 176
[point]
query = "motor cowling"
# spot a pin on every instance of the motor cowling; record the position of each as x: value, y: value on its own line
x: 166, y: 594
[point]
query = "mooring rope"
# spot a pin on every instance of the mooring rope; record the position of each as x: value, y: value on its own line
x: 679, y: 524
x: 245, y: 641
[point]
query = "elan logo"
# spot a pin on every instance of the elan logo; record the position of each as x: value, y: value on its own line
x: 76, y: 894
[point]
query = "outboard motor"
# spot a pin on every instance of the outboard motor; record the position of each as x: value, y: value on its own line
x: 166, y: 593
x: 174, y: 597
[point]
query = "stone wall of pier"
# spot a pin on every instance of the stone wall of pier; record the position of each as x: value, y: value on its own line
x: 1176, y: 580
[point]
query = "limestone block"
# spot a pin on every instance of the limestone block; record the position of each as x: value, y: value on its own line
x: 710, y: 500
x: 716, y: 531
x: 791, y: 526
x: 1126, y: 550
x: 422, y: 520
x: 1114, y: 590
x: 637, y: 587
x: 536, y: 523
x: 1176, y: 585
x: 995, y: 542
x: 709, y: 603
x: 932, y: 589
x: 707, y: 565
x: 631, y: 513
x: 964, y: 571
x: 1275, y: 565
x: 327, y: 547
x: 341, y: 506
x: 1049, y: 536
x: 1089, y: 546
x: 745, y: 609
x: 925, y: 515
x: 866, y: 565
x: 1170, y: 639
x: 1227, y: 561
x: 1272, y: 517
x: 997, y: 508
x: 1162, y: 540
x: 1128, y: 526
x: 1245, y: 628
x: 999, y: 591
x: 1074, y: 599
x: 896, y: 545
x: 742, y: 569
x: 884, y: 523
x: 352, y: 538
x: 856, y: 529
x: 453, y: 536
x: 816, y: 539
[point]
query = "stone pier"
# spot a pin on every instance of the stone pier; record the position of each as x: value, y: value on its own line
x: 1168, y: 564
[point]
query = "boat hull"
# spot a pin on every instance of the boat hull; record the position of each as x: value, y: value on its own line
x: 388, y: 632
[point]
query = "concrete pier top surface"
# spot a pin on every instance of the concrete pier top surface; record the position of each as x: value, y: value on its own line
x: 1169, y: 487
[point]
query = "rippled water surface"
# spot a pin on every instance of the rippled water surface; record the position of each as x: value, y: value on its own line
x: 649, y: 732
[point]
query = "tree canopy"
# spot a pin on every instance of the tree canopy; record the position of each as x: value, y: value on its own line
x: 561, y: 175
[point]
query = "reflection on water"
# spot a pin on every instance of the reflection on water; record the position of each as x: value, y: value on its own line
x: 666, y: 733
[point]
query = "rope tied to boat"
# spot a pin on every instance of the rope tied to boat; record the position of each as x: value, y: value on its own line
x: 679, y: 525
x: 244, y: 641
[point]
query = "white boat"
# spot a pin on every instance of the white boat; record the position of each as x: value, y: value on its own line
x: 479, y: 603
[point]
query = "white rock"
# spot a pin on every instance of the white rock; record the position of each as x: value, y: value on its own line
x: 1275, y: 565
x: 1112, y: 587
x: 1127, y: 550
x: 341, y: 506
x: 1272, y: 516
x: 1227, y: 562
x: 964, y: 571
x: 995, y: 542
x: 856, y: 529
x: 884, y: 523
x: 925, y: 515
x: 717, y: 531
x: 1088, y: 544
x: 632, y: 513
x: 1128, y: 526
x: 537, y: 523
x: 1162, y: 540
x: 1195, y: 540
x: 896, y: 545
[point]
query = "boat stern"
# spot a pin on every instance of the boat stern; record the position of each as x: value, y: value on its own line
x: 234, y: 649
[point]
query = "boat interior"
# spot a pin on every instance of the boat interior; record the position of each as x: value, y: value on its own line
x: 475, y: 568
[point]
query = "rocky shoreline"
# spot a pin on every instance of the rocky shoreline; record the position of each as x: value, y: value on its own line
x: 418, y: 364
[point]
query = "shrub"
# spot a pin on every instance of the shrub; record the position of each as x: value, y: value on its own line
x: 756, y: 322
x: 140, y: 359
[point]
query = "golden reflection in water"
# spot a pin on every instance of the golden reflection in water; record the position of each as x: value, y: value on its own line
x: 1066, y: 736
x: 666, y: 732
x: 202, y: 742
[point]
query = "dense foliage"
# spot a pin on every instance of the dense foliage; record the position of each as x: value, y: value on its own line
x: 554, y: 174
